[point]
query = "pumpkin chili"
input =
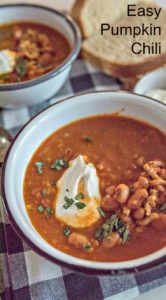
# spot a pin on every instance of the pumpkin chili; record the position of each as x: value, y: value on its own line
x: 32, y: 49
x: 130, y: 161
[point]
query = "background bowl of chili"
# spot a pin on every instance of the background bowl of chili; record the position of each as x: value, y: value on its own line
x: 30, y: 138
x: 29, y: 91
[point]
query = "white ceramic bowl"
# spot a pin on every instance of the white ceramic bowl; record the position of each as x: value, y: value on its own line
x: 41, y: 88
x: 36, y: 131
x: 151, y: 81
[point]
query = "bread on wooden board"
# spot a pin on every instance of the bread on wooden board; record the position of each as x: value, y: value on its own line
x: 89, y: 14
x: 113, y: 55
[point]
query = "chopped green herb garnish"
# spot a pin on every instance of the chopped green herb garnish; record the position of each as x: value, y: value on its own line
x: 125, y: 236
x: 67, y: 231
x: 163, y: 207
x: 112, y: 219
x: 114, y: 223
x: 121, y: 229
x: 40, y: 208
x: 21, y: 66
x: 87, y: 246
x: 53, y: 182
x: 80, y: 205
x: 88, y: 139
x: 99, y: 234
x: 101, y: 212
x: 49, y: 210
x: 68, y: 202
x: 59, y: 164
x: 45, y: 192
x: 79, y: 196
x: 39, y: 165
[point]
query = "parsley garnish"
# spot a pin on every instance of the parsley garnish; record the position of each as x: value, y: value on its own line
x: 67, y: 231
x: 59, y: 164
x: 125, y: 236
x: 21, y: 66
x: 101, y: 212
x: 87, y: 139
x: 39, y: 165
x: 40, y: 208
x: 80, y: 205
x: 79, y: 196
x: 113, y: 224
x: 49, y: 210
x: 68, y: 202
x: 99, y: 234
x: 87, y: 246
x: 163, y: 207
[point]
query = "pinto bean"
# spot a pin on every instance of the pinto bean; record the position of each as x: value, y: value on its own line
x: 139, y: 213
x: 121, y: 193
x: 112, y: 241
x: 110, y: 190
x: 125, y: 219
x: 161, y: 188
x: 137, y: 199
x: 29, y: 49
x: 142, y: 182
x: 78, y: 240
x: 45, y: 59
x: 152, y: 201
x: 150, y: 171
x: 160, y: 222
x: 146, y: 221
x: 147, y: 208
x: 43, y: 39
x: 109, y: 203
x: 157, y: 182
x: 163, y: 174
x: 156, y: 163
x: 154, y: 192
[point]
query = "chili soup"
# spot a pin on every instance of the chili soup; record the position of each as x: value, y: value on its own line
x: 29, y: 50
x: 95, y: 189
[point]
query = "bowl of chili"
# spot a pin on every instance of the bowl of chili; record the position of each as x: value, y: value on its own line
x: 112, y: 219
x: 37, y: 48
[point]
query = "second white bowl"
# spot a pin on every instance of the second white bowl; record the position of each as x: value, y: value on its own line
x: 44, y: 87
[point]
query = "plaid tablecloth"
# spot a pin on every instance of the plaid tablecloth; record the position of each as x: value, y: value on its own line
x: 24, y: 275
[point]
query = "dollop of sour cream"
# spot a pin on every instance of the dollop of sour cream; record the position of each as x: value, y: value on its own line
x: 7, y: 61
x: 78, y: 184
x: 157, y: 94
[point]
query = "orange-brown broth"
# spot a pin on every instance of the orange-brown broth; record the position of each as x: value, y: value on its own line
x: 117, y: 143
